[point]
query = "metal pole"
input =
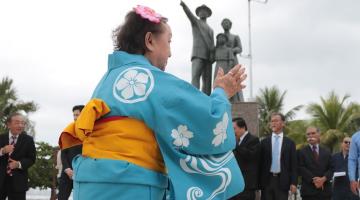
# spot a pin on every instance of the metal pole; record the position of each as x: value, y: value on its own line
x: 250, y: 53
x: 250, y: 47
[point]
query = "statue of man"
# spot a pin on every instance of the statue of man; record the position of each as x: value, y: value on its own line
x: 203, y: 47
x: 235, y: 44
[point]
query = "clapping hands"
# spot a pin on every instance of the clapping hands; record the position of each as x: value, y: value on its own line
x: 232, y: 82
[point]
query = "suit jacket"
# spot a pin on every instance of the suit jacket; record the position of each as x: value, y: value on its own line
x: 339, y: 164
x: 310, y: 168
x: 247, y: 155
x: 341, y: 189
x: 288, y: 163
x: 68, y: 154
x: 24, y: 152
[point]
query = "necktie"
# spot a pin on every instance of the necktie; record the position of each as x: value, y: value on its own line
x: 275, y: 162
x: 12, y: 142
x: 316, y: 155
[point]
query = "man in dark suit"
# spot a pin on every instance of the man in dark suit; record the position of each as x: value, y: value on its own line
x: 341, y: 183
x: 315, y: 168
x: 247, y: 155
x: 17, y: 154
x: 67, y: 155
x: 278, y: 171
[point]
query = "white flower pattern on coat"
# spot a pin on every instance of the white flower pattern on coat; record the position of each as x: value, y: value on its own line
x: 131, y: 82
x: 133, y: 85
x: 181, y: 136
x: 220, y: 131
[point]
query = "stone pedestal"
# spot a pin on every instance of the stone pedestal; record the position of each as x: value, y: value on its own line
x: 250, y: 112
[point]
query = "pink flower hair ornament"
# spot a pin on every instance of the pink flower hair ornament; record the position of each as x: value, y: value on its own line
x: 148, y: 13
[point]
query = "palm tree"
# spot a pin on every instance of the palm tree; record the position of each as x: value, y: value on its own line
x: 296, y: 131
x: 272, y: 100
x: 10, y: 103
x: 334, y: 117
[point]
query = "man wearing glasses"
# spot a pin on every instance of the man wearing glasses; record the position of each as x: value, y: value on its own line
x: 17, y: 155
x: 341, y: 189
x: 353, y: 162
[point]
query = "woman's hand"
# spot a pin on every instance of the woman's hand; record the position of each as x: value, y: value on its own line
x: 232, y: 82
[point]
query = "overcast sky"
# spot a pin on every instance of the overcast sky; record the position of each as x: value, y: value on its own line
x: 56, y: 51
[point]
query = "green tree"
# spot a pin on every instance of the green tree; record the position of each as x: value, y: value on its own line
x: 334, y: 117
x: 9, y: 103
x: 40, y: 174
x: 272, y: 100
x: 297, y: 130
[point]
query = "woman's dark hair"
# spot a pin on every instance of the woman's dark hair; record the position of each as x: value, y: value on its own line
x: 130, y: 36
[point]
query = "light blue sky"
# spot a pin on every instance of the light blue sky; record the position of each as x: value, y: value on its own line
x: 56, y: 51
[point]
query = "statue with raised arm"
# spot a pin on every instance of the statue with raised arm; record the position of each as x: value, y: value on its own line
x: 233, y: 42
x: 202, y: 55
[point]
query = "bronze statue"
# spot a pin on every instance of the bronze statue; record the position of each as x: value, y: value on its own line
x: 203, y: 47
x: 235, y: 44
x: 224, y: 56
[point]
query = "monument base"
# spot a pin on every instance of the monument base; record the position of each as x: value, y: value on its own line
x: 249, y: 111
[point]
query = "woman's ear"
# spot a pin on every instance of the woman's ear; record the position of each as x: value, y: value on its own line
x: 149, y: 41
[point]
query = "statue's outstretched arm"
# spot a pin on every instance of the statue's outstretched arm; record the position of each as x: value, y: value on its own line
x: 188, y: 13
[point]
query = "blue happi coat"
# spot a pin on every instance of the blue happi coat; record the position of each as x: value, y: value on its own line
x: 194, y: 131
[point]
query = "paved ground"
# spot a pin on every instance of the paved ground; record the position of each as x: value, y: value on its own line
x: 35, y: 194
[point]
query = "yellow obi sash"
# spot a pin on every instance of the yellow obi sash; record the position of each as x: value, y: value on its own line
x: 119, y: 138
x: 68, y: 138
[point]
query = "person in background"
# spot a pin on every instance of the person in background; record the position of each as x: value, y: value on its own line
x: 314, y: 164
x: 67, y: 155
x: 247, y: 152
x: 58, y: 166
x: 17, y: 155
x: 353, y: 162
x: 278, y: 171
x: 341, y: 183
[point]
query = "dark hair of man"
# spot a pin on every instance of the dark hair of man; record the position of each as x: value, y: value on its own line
x: 278, y: 114
x: 130, y: 36
x: 78, y: 107
x: 9, y: 118
x: 240, y: 122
